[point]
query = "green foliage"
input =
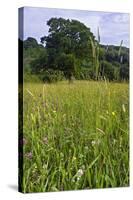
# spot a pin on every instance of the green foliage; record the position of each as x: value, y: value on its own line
x: 51, y: 76
x: 85, y: 74
x: 33, y: 55
x: 40, y: 63
x: 30, y: 43
x: 68, y: 37
x: 124, y: 73
x: 66, y: 63
x: 107, y: 70
x: 31, y: 78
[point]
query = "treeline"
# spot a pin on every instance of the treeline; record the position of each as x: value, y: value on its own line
x: 70, y: 51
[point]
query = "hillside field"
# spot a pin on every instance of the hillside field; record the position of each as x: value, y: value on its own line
x: 75, y: 135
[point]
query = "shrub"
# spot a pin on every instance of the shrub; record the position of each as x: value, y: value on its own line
x: 31, y: 78
x: 66, y: 63
x: 107, y: 70
x: 51, y: 76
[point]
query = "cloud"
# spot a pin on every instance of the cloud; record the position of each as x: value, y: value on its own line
x: 114, y: 27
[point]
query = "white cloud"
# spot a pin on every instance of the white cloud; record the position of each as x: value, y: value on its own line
x: 113, y: 26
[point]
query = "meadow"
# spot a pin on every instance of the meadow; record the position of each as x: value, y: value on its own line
x: 75, y: 136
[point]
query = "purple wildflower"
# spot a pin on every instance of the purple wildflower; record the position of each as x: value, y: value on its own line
x: 29, y: 155
x: 22, y: 141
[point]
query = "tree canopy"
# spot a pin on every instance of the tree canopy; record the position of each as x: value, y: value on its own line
x: 67, y: 37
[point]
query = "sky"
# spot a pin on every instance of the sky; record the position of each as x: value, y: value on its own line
x: 113, y: 27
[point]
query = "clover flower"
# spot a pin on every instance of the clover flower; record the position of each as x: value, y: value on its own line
x: 95, y: 142
x: 79, y: 174
x: 29, y: 155
x: 45, y: 140
x: 22, y: 141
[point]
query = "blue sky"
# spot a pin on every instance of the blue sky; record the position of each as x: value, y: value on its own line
x: 113, y: 27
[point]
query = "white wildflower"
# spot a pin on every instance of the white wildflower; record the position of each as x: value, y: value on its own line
x: 113, y: 113
x: 93, y: 142
x: 80, y: 173
x: 86, y: 148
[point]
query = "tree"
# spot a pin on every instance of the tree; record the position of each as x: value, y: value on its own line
x: 30, y: 43
x: 107, y: 70
x: 40, y: 63
x: 66, y: 63
x: 68, y: 39
x: 34, y: 56
x: 124, y: 72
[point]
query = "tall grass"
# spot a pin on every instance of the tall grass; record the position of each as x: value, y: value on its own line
x: 75, y: 136
x: 95, y: 45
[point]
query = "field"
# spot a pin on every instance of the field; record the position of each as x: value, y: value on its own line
x: 75, y: 136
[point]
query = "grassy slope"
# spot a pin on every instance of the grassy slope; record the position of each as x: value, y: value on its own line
x: 75, y: 135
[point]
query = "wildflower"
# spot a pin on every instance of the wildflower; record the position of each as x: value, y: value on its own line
x: 79, y: 174
x: 45, y: 166
x: 114, y: 141
x: 29, y: 155
x: 113, y: 113
x: 73, y: 180
x: 61, y: 155
x: 45, y: 140
x: 95, y: 142
x: 74, y: 158
x: 86, y: 148
x: 73, y: 124
x: 64, y: 115
x: 24, y: 141
x: 81, y: 155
